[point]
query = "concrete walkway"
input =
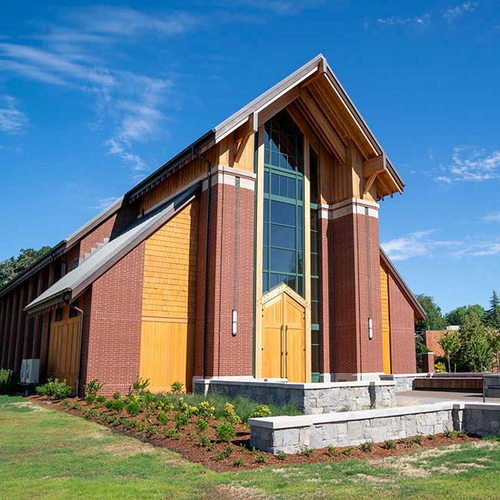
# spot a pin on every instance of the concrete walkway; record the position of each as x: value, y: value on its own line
x: 410, y: 398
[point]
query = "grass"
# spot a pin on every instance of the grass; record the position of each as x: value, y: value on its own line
x: 50, y: 454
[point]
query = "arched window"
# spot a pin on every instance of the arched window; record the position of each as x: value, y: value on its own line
x: 283, y: 260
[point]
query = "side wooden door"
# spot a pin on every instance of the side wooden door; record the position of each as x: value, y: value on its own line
x: 295, y: 340
x: 272, y: 341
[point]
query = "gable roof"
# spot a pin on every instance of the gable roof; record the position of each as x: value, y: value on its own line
x: 419, y: 311
x: 76, y: 281
x: 249, y: 113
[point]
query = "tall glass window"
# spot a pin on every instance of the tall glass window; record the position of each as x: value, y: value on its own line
x: 283, y: 204
x: 315, y: 266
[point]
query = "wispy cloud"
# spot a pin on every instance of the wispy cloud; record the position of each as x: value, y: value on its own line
x: 417, y: 21
x: 472, y: 164
x: 493, y: 217
x: 12, y: 120
x: 102, y: 203
x: 459, y: 10
x: 423, y: 244
x: 280, y: 7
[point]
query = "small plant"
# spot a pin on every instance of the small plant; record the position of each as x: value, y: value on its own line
x: 204, y: 441
x: 117, y: 395
x: 116, y: 405
x: 8, y: 380
x: 90, y: 399
x: 260, y: 459
x: 181, y: 420
x: 389, y: 445
x: 461, y: 434
x: 225, y: 431
x: 304, y: 450
x: 332, y: 451
x: 238, y: 462
x: 176, y: 387
x: 230, y: 415
x: 366, y: 447
x: 54, y: 390
x: 260, y: 412
x: 201, y: 425
x: 65, y: 403
x: 92, y: 388
x: 281, y: 455
x: 140, y: 385
x: 418, y: 439
x: 90, y: 413
x: 133, y: 408
x: 100, y: 400
x: 448, y: 434
x: 347, y: 452
x: 125, y: 423
x: 220, y: 456
x: 206, y: 411
x: 162, y: 418
x: 430, y: 437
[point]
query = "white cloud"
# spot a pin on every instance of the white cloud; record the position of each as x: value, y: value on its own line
x: 493, y: 217
x: 415, y: 244
x: 472, y: 164
x: 12, y: 121
x: 417, y: 21
x: 459, y: 10
x: 280, y: 7
x: 102, y: 203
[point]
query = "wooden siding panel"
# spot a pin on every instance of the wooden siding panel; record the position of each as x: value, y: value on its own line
x: 386, y: 328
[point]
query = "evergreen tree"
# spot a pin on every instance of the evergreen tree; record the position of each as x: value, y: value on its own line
x: 493, y: 314
x: 435, y: 320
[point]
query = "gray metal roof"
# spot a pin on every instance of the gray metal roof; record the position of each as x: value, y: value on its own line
x: 77, y: 280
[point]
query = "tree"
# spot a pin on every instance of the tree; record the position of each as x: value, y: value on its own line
x: 450, y: 343
x: 476, y: 349
x: 457, y: 316
x: 493, y: 314
x: 495, y: 346
x: 435, y: 320
x: 10, y: 268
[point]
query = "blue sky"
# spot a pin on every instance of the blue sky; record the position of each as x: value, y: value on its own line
x: 94, y: 96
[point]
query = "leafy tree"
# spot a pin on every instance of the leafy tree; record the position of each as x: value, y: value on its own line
x: 495, y: 345
x: 420, y: 348
x: 435, y: 320
x: 457, y: 316
x: 14, y: 266
x: 450, y: 343
x: 476, y: 349
x: 493, y: 314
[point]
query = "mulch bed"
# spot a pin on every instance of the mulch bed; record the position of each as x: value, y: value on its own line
x: 237, y: 454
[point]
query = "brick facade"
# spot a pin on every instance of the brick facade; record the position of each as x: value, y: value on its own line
x: 432, y: 338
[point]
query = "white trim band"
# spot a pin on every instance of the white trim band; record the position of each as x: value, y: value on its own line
x: 347, y: 207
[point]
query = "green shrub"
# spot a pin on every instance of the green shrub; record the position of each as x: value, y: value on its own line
x: 133, y: 408
x: 90, y: 399
x: 366, y: 447
x: 281, y: 455
x: 260, y: 459
x: 304, y: 450
x: 162, y: 418
x: 117, y: 395
x: 8, y: 381
x: 389, y: 445
x: 90, y: 413
x: 176, y: 387
x: 172, y: 434
x: 448, y: 433
x: 238, y: 462
x: 418, y: 439
x: 347, y: 452
x: 332, y: 451
x: 126, y: 423
x: 206, y: 411
x: 225, y: 431
x: 201, y: 425
x: 204, y: 441
x: 100, y: 400
x: 181, y: 420
x: 54, y: 390
x: 430, y: 437
x: 116, y: 405
x: 92, y: 388
x: 140, y: 385
x: 230, y: 415
x: 260, y: 412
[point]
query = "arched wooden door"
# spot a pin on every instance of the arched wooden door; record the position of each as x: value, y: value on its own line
x: 283, y: 336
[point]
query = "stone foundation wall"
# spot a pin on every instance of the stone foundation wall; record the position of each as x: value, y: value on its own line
x: 309, y: 398
x: 492, y: 386
x: 292, y: 434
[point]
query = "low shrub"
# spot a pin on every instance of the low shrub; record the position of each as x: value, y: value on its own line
x: 260, y: 459
x: 181, y: 420
x: 448, y: 434
x: 201, y: 425
x: 260, y: 412
x: 8, y: 381
x: 225, y: 431
x: 366, y: 447
x: 230, y: 415
x: 90, y: 399
x: 304, y: 450
x: 176, y: 387
x: 204, y: 441
x: 100, y: 400
x: 116, y: 405
x: 54, y: 390
x: 117, y: 395
x: 90, y: 413
x: 92, y: 388
x: 206, y: 411
x: 133, y: 408
x: 281, y: 455
x: 238, y: 462
x: 347, y: 452
x: 140, y: 385
x: 418, y: 439
x: 332, y: 451
x: 389, y: 445
x: 162, y: 418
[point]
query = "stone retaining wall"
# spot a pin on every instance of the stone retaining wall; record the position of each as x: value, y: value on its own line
x: 292, y: 434
x: 314, y: 398
x: 492, y: 386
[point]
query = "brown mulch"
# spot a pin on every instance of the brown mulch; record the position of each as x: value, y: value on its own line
x: 239, y: 455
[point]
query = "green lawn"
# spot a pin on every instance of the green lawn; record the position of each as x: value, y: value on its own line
x: 48, y: 454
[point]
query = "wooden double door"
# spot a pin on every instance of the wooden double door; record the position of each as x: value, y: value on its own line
x: 283, y: 336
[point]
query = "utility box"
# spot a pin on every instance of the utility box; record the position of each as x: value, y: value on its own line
x: 30, y: 369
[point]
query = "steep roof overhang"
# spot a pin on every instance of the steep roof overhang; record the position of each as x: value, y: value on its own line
x: 314, y: 76
x: 419, y: 311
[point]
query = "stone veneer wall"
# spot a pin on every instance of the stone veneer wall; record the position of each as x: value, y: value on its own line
x: 291, y: 434
x: 310, y: 398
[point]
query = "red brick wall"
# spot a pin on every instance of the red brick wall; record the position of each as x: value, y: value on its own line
x: 402, y: 321
x: 432, y: 338
x: 229, y: 287
x: 326, y: 306
x: 96, y: 236
x: 112, y: 344
x: 354, y: 352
